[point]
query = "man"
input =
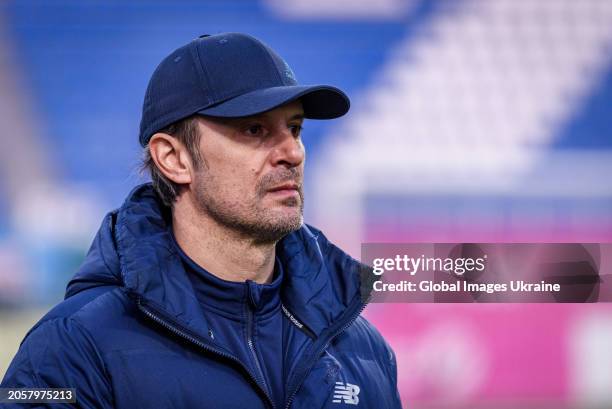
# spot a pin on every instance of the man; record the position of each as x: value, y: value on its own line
x: 205, y: 289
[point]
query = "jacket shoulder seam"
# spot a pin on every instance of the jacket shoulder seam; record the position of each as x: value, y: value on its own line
x: 115, y: 289
x: 72, y: 314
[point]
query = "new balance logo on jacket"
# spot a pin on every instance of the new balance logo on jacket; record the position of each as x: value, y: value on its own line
x: 346, y: 393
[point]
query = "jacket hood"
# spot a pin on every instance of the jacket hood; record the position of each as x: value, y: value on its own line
x: 134, y: 250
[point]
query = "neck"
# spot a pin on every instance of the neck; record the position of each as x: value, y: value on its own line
x: 220, y: 250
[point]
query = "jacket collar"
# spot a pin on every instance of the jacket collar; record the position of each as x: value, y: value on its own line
x: 134, y: 249
x: 230, y: 297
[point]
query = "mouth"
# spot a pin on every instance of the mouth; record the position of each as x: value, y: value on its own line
x: 285, y: 187
x: 286, y: 190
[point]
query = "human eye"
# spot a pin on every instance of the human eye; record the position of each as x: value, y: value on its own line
x: 296, y: 129
x: 255, y: 130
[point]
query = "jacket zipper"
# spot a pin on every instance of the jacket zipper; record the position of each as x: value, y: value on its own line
x: 251, y: 345
x: 315, y: 356
x: 201, y: 344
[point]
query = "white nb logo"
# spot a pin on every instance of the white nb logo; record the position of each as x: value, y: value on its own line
x: 346, y: 393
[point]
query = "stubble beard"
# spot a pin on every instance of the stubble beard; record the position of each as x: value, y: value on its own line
x: 248, y: 216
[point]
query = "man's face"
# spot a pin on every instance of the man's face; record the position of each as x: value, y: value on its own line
x: 252, y: 172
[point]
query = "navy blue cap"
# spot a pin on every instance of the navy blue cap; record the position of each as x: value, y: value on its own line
x: 229, y: 75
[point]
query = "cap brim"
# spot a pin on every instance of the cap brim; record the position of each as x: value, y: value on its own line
x: 318, y: 102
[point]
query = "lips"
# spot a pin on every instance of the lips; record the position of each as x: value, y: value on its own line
x: 285, y: 186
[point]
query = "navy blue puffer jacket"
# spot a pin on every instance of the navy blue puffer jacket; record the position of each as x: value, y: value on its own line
x: 130, y: 333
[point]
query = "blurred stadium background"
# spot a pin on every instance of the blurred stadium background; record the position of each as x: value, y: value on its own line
x: 472, y: 121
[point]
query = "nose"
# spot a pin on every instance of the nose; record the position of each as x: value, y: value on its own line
x: 288, y: 150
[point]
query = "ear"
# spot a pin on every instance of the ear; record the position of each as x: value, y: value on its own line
x: 171, y: 158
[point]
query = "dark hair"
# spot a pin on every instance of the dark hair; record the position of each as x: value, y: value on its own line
x: 186, y: 131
